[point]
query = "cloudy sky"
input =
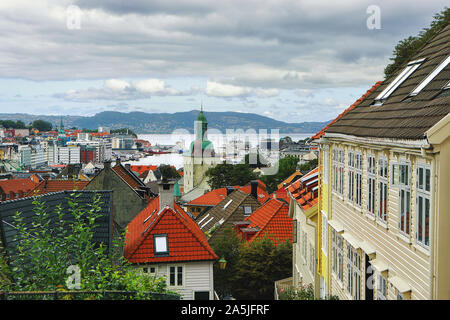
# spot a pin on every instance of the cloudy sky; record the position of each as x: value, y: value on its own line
x: 292, y: 60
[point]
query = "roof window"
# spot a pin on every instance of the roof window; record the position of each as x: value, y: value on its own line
x: 410, y: 68
x: 431, y: 76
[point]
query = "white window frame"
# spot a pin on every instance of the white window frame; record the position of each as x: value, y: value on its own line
x: 371, y: 184
x: 381, y: 287
x: 334, y: 251
x: 357, y: 274
x: 402, y: 182
x: 351, y: 176
x: 431, y: 76
x: 177, y: 278
x: 423, y: 195
x: 341, y: 172
x: 324, y: 234
x: 340, y: 260
x: 383, y: 166
x: 349, y: 269
x: 157, y: 238
x: 394, y: 84
x: 358, y: 178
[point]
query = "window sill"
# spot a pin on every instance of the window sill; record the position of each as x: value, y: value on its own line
x: 404, y: 238
x: 422, y: 249
x: 370, y: 216
x: 382, y: 224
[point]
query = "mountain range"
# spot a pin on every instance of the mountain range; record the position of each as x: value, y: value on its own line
x: 141, y: 122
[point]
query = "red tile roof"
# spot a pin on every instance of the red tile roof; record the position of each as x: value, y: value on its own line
x: 186, y: 242
x: 213, y: 197
x: 47, y: 186
x: 143, y: 168
x: 304, y: 191
x: 319, y: 134
x: 17, y: 186
x: 271, y: 219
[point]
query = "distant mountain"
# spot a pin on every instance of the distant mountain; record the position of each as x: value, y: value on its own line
x: 141, y: 122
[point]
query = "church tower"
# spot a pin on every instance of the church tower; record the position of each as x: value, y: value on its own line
x: 200, y: 157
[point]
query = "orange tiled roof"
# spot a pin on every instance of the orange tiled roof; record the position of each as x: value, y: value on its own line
x: 17, y: 185
x: 186, y: 242
x: 47, y: 186
x: 213, y: 197
x: 289, y: 179
x: 319, y: 134
x: 143, y: 168
x: 271, y: 219
x: 304, y: 191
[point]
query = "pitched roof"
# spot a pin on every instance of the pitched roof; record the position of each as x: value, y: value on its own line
x: 143, y: 168
x: 46, y: 186
x: 305, y: 190
x: 102, y: 232
x: 186, y: 242
x: 294, y: 176
x: 222, y: 211
x: 271, y: 219
x: 214, y: 197
x: 319, y: 134
x: 128, y: 176
x: 16, y: 185
x: 402, y: 116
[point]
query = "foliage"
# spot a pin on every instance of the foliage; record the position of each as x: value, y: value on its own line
x: 260, y: 160
x: 43, y: 253
x: 252, y: 268
x: 305, y: 292
x: 308, y: 166
x: 168, y: 172
x: 286, y: 167
x: 406, y: 48
x: 225, y: 174
x: 7, y: 124
x: 42, y: 125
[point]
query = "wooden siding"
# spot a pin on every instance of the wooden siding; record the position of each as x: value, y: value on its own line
x: 404, y: 257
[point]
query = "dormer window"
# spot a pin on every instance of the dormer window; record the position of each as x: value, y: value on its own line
x: 431, y: 76
x: 160, y: 244
x: 410, y: 68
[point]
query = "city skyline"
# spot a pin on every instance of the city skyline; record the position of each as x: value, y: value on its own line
x: 288, y: 60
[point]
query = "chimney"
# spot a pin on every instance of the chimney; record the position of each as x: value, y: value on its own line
x: 254, y: 188
x: 107, y: 164
x: 229, y: 190
x: 117, y: 160
x: 128, y: 166
x: 166, y: 197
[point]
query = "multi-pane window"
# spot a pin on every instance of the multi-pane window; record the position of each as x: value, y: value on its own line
x: 357, y: 274
x: 311, y: 259
x: 382, y: 188
x: 401, y: 178
x: 334, y: 161
x: 340, y: 257
x: 325, y: 165
x: 349, y: 269
x: 324, y: 234
x: 371, y: 184
x: 351, y: 176
x: 305, y: 245
x: 381, y: 287
x: 175, y: 276
x: 358, y: 179
x: 295, y: 231
x: 334, y: 250
x: 340, y: 189
x: 423, y: 205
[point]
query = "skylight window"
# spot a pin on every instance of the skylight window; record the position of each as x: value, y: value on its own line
x: 160, y: 244
x: 410, y: 68
x: 228, y: 203
x: 430, y: 77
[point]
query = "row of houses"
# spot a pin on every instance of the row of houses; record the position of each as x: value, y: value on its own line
x: 377, y: 227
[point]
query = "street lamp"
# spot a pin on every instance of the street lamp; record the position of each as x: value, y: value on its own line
x: 222, y: 263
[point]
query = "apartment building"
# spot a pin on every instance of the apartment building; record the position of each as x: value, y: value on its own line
x: 385, y: 180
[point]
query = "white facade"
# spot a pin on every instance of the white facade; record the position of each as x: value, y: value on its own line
x: 190, y: 279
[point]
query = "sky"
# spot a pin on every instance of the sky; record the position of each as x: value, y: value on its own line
x: 291, y: 60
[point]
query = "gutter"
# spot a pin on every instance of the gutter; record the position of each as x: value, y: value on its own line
x: 415, y: 144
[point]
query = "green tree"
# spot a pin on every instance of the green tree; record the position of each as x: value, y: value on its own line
x: 260, y: 264
x: 43, y: 253
x: 406, y: 48
x: 42, y: 125
x: 225, y: 174
x: 168, y: 172
x: 286, y: 167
